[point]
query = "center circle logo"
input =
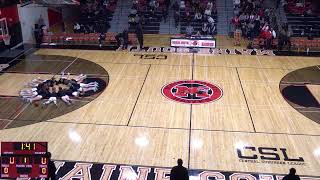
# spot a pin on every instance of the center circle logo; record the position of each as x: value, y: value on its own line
x: 192, y: 92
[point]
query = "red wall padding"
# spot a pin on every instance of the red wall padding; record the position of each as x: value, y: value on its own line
x: 54, y: 17
x: 11, y: 13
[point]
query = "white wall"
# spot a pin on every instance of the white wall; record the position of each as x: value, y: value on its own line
x: 28, y: 16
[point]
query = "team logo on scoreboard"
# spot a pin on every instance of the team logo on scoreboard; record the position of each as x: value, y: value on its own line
x: 192, y: 91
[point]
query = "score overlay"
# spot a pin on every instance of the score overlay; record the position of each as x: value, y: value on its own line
x: 24, y: 160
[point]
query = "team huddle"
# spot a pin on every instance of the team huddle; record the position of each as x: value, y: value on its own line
x: 52, y: 89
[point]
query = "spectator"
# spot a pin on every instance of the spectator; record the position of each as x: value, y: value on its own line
x: 179, y: 172
x: 154, y: 4
x: 36, y: 33
x: 165, y: 14
x: 195, y: 4
x: 76, y: 28
x: 268, y: 39
x: 124, y: 38
x: 212, y: 26
x: 167, y: 3
x: 188, y: 17
x: 207, y: 12
x: 102, y: 38
x: 292, y: 175
x: 310, y: 33
x: 198, y: 16
x: 40, y: 21
x: 139, y: 34
x: 205, y: 28
x: 210, y: 4
x: 51, y: 168
x: 182, y: 5
x: 274, y: 34
x: 175, y: 6
x: 284, y: 38
x: 189, y: 30
x: 236, y: 3
x: 135, y: 2
x: 132, y: 19
x: 176, y: 18
x: 252, y: 19
x: 133, y: 11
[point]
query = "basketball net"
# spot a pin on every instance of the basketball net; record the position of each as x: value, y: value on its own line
x: 4, y: 31
x: 3, y: 27
x: 6, y: 39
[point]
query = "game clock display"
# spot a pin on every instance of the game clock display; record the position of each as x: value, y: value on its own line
x: 24, y: 160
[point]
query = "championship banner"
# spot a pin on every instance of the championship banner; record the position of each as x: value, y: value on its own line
x: 193, y: 43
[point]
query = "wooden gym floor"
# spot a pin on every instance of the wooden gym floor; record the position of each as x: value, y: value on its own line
x: 131, y: 122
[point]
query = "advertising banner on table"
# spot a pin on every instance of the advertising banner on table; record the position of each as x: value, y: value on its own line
x: 193, y: 43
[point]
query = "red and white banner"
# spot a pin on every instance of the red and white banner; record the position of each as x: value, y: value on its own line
x: 196, y: 43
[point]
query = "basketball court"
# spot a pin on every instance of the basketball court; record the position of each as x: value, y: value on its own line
x: 251, y: 128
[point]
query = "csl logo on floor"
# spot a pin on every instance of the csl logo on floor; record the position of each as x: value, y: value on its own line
x: 267, y: 155
x: 192, y: 92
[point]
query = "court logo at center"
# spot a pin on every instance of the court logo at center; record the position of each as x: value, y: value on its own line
x: 192, y: 92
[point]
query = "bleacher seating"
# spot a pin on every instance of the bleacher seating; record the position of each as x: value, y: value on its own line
x: 301, y: 24
x: 297, y: 43
x: 197, y: 25
x: 151, y: 24
x: 302, y: 17
x: 96, y: 19
x: 85, y: 39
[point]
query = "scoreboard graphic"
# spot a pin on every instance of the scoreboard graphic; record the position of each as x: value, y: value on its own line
x: 24, y: 160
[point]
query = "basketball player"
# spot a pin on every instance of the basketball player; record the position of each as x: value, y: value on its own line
x: 27, y: 92
x: 78, y: 89
x: 64, y: 96
x: 52, y: 98
x: 41, y: 93
x: 90, y: 84
x: 124, y: 37
x: 35, y: 82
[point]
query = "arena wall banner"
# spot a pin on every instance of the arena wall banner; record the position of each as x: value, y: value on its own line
x: 96, y: 171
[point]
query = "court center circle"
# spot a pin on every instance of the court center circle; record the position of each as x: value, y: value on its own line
x: 192, y: 91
